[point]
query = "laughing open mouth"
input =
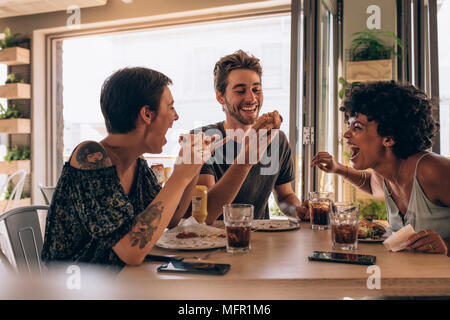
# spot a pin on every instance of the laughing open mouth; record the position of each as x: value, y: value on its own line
x: 249, y: 109
x: 355, y: 152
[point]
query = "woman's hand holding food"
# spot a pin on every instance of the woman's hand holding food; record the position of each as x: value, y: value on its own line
x: 427, y: 241
x: 195, y: 150
x: 325, y: 162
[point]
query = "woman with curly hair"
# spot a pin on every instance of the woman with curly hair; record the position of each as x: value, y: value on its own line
x: 390, y: 129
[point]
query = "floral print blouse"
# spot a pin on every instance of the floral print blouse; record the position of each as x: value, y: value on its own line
x: 90, y: 213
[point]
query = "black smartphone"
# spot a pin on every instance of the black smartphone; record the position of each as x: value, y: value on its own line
x: 343, y: 257
x: 195, y: 267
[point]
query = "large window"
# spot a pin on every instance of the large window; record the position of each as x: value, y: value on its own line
x: 444, y: 75
x: 187, y: 55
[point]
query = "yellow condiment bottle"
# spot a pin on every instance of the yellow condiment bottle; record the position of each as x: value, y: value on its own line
x: 199, y: 203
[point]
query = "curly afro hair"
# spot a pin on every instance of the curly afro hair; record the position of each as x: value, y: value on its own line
x: 401, y: 111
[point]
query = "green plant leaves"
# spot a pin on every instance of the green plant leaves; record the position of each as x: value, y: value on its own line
x: 16, y: 153
x: 373, y: 209
x: 371, y: 45
x: 10, y: 112
x: 11, y: 78
x: 10, y: 40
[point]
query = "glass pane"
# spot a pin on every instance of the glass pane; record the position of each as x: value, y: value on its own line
x: 324, y: 112
x: 444, y: 74
x: 3, y: 136
x: 187, y: 55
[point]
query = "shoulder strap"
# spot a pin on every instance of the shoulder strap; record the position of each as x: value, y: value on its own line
x: 417, y: 163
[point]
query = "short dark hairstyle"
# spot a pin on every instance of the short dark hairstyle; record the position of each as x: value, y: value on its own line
x: 126, y: 91
x: 402, y: 112
x: 236, y: 60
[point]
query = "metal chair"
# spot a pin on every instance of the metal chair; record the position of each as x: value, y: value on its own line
x: 24, y: 232
x: 4, y: 263
x: 17, y: 190
x: 47, y: 193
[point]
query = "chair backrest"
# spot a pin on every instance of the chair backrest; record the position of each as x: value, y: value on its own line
x: 47, y: 193
x: 4, y: 263
x: 17, y: 190
x: 24, y: 232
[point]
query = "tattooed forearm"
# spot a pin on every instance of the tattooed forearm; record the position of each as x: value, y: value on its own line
x: 92, y: 156
x: 146, y: 223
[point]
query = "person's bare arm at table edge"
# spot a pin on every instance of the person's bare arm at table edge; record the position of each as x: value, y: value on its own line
x: 150, y: 223
x: 225, y: 190
x: 288, y: 202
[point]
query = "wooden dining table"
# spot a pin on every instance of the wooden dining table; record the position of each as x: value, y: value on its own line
x: 277, y: 268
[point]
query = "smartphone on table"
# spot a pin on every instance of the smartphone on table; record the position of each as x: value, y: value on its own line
x: 195, y: 267
x: 342, y: 257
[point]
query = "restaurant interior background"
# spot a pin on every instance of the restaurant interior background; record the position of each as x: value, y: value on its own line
x: 303, y: 47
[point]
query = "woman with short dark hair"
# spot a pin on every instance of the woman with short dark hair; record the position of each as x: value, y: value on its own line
x: 108, y: 207
x: 390, y: 129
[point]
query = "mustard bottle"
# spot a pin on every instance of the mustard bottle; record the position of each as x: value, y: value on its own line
x: 199, y: 203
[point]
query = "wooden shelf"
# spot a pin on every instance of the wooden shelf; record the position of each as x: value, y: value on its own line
x: 22, y: 202
x: 15, y: 126
x: 8, y: 167
x: 14, y: 56
x: 15, y: 91
x: 371, y: 70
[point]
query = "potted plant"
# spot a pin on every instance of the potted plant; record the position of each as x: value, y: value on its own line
x: 12, y: 120
x: 15, y: 88
x: 16, y: 158
x: 11, y: 78
x: 372, y: 209
x: 370, y: 56
x: 11, y: 53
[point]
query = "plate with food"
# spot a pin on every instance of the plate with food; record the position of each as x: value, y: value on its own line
x: 369, y: 231
x: 274, y: 225
x: 193, y: 237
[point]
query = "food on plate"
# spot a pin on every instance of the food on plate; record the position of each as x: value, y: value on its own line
x: 271, y: 120
x: 191, y: 237
x: 274, y: 225
x: 370, y: 230
x: 186, y: 235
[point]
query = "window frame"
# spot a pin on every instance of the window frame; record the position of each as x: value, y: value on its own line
x: 44, y: 50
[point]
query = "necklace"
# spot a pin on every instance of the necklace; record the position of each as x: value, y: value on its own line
x: 396, y: 177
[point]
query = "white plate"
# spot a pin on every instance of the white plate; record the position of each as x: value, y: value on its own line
x: 376, y: 240
x: 208, y: 238
x: 274, y: 225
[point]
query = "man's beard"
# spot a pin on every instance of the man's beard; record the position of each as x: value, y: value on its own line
x: 236, y: 114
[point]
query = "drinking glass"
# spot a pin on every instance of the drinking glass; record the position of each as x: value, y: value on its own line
x: 238, y: 222
x: 319, y: 209
x: 344, y: 225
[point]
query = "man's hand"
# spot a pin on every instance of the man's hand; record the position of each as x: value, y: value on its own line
x: 254, y: 144
x: 303, y: 211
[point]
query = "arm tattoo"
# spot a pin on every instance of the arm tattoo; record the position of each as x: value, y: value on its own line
x: 145, y: 225
x: 92, y: 156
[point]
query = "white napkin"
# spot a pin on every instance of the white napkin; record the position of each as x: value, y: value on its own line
x: 189, y: 222
x: 398, y: 240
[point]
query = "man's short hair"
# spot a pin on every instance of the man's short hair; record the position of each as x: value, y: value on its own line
x: 126, y: 91
x: 237, y: 60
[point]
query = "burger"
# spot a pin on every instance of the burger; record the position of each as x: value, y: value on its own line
x: 370, y: 230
